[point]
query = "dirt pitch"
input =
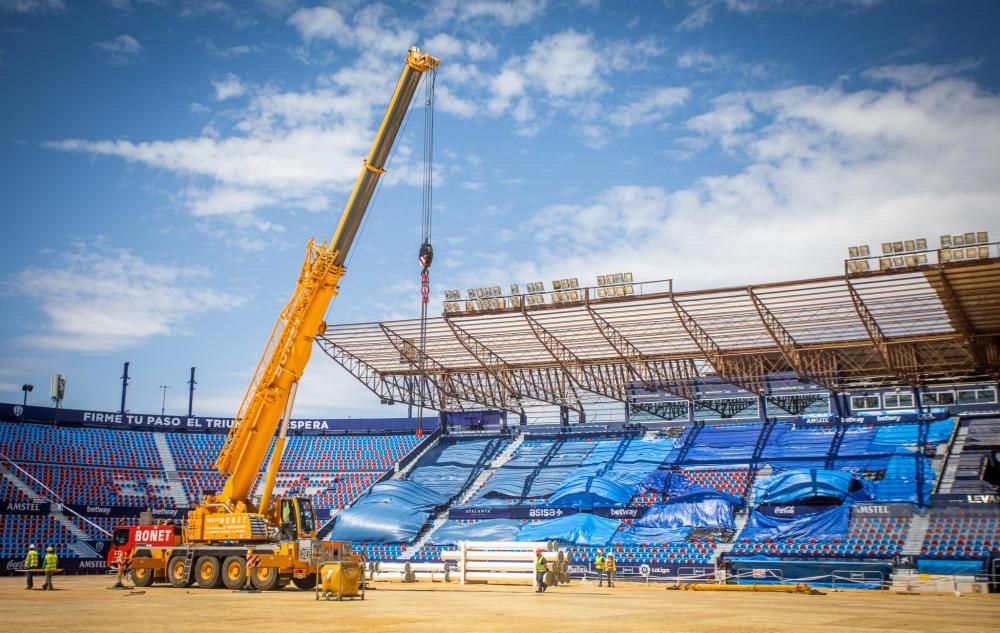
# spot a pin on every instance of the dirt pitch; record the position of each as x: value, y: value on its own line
x: 83, y: 603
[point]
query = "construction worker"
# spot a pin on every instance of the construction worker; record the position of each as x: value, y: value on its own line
x: 49, y: 566
x: 30, y: 563
x: 599, y: 566
x: 540, y: 568
x: 610, y: 567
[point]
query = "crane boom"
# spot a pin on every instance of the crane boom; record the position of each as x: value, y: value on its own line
x: 266, y: 403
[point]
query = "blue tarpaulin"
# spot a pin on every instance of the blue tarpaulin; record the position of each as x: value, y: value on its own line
x: 392, y: 512
x: 829, y: 524
x: 586, y: 492
x: 579, y: 529
x: 709, y: 511
x: 645, y: 536
x: 488, y: 530
x: 909, y: 434
x: 798, y: 484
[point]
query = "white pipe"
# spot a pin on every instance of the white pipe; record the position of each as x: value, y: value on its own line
x: 387, y: 566
x: 397, y: 576
x: 433, y: 576
x: 511, y: 545
x: 436, y: 567
x: 508, y: 556
x: 486, y: 576
x: 492, y: 565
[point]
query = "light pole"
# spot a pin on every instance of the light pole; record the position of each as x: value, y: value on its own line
x: 163, y: 405
x: 26, y: 389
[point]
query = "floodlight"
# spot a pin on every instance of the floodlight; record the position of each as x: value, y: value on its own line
x: 574, y: 283
x: 600, y: 292
x: 884, y: 263
x: 515, y: 301
x: 601, y: 280
x: 970, y: 238
x: 897, y: 247
x: 619, y: 278
x: 945, y: 256
x: 471, y: 293
x: 469, y: 306
x: 983, y: 237
x: 984, y: 252
x: 922, y: 259
x: 514, y: 290
x: 957, y: 254
x: 556, y: 284
x: 958, y: 240
x: 852, y: 251
x: 911, y: 260
x: 629, y: 290
x: 887, y: 248
x: 921, y: 243
x: 971, y: 252
x: 898, y: 262
x: 909, y: 245
x: 619, y: 291
x: 864, y: 265
x: 628, y: 278
x: 945, y: 241
x: 497, y: 291
x: 574, y: 295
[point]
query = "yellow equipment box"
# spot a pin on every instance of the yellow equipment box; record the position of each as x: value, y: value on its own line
x: 340, y: 579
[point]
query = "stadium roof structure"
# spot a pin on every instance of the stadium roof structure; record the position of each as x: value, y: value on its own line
x: 920, y: 326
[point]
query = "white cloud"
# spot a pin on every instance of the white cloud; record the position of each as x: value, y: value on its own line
x: 119, y: 5
x: 917, y: 75
x: 323, y: 23
x: 566, y: 64
x: 98, y: 299
x: 285, y: 150
x: 122, y: 51
x: 703, y: 11
x: 823, y: 169
x: 505, y: 13
x: 32, y: 6
x: 228, y: 87
x: 699, y: 60
x: 373, y: 28
x: 653, y: 107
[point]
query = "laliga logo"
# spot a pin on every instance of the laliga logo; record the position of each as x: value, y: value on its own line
x: 18, y: 410
x: 644, y: 569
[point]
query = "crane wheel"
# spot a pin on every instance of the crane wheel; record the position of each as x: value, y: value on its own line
x: 142, y: 577
x: 176, y: 572
x: 307, y: 583
x: 207, y: 572
x: 264, y: 578
x: 234, y: 572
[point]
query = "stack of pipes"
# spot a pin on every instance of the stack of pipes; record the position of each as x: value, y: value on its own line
x: 508, y: 561
x: 409, y: 572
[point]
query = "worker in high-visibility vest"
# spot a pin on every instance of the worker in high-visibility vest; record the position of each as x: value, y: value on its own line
x: 30, y: 563
x: 49, y: 566
x: 610, y: 568
x: 599, y: 566
x: 540, y: 568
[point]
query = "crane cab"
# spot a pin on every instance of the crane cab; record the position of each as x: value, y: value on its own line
x: 296, y: 518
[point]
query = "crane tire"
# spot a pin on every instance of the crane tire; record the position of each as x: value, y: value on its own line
x: 265, y: 578
x: 175, y: 572
x: 307, y: 583
x: 142, y: 577
x: 234, y: 572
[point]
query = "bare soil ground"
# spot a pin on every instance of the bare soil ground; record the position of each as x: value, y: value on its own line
x: 83, y: 603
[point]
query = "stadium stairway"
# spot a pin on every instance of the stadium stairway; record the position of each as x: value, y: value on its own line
x: 916, y: 534
x: 498, y: 461
x: 401, y: 473
x: 948, y: 476
x: 173, y: 478
x: 79, y: 547
x: 441, y: 517
x: 741, y: 517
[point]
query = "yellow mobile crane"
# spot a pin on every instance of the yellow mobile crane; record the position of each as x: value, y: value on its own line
x: 277, y: 536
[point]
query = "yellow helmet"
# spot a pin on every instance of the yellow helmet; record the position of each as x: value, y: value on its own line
x: 49, y: 549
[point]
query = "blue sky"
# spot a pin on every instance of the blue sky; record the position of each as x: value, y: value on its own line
x: 163, y: 163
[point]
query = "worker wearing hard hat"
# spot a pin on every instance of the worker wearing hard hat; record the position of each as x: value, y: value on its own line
x: 610, y: 568
x: 540, y: 568
x: 30, y: 564
x: 599, y: 566
x: 49, y: 566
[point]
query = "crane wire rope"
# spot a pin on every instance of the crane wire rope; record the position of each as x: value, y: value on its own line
x: 426, y: 255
